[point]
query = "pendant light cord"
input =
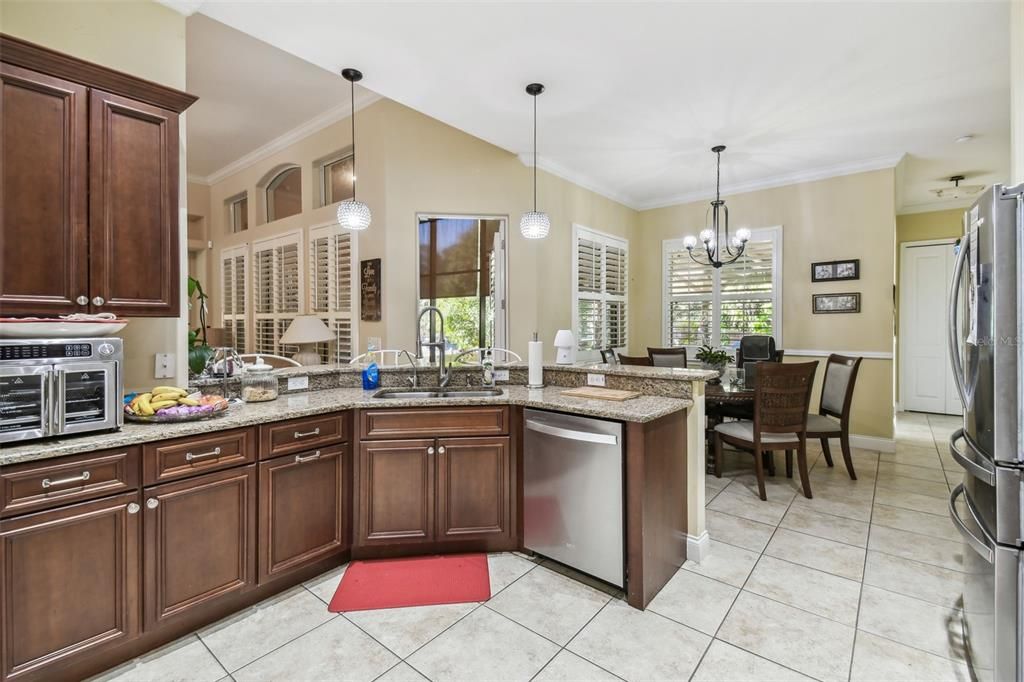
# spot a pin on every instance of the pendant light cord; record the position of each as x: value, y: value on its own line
x: 535, y: 153
x: 352, y: 101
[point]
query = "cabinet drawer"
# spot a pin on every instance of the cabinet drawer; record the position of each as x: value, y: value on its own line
x: 34, y: 486
x: 434, y: 422
x: 297, y: 435
x: 170, y: 460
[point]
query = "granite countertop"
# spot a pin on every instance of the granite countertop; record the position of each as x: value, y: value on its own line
x: 639, y: 371
x: 642, y: 409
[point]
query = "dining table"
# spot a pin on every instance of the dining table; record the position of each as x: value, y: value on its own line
x: 718, y: 397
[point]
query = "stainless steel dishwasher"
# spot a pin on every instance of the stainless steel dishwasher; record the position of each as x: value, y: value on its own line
x: 572, y: 492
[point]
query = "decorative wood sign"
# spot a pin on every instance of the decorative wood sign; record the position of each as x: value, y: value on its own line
x: 830, y: 271
x: 369, y: 289
x: 835, y: 303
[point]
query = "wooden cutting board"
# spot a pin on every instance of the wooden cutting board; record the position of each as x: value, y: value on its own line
x: 598, y: 393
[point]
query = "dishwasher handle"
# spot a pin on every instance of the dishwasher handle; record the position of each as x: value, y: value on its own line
x: 571, y: 434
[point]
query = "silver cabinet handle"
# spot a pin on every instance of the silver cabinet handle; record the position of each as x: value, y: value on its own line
x: 84, y: 476
x: 982, y: 546
x: 189, y: 456
x: 979, y: 471
x: 441, y: 450
x: 430, y: 450
x: 299, y: 459
x: 98, y: 300
x: 82, y: 300
x: 133, y: 508
x: 314, y: 432
x: 152, y: 503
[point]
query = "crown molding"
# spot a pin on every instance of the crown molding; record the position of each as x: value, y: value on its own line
x: 810, y: 175
x: 577, y: 179
x: 364, y: 98
x: 186, y: 7
x: 938, y: 205
x: 197, y: 179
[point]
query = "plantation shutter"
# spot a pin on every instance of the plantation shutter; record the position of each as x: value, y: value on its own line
x: 746, y: 294
x: 600, y: 291
x: 690, y: 293
x: 234, y: 271
x: 277, y: 279
x: 331, y: 289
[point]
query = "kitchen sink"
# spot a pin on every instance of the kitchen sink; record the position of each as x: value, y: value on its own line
x: 418, y: 393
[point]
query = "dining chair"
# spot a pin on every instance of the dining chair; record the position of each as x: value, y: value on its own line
x: 781, y: 399
x: 634, y: 360
x: 836, y: 400
x: 667, y: 357
x: 608, y: 356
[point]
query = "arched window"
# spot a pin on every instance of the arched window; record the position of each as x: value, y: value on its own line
x: 284, y: 194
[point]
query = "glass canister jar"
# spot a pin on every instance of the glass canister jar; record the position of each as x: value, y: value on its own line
x: 258, y: 382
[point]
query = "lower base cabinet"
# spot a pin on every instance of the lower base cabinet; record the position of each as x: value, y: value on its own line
x: 200, y: 542
x: 303, y: 509
x: 396, y: 491
x: 473, y: 493
x: 71, y: 582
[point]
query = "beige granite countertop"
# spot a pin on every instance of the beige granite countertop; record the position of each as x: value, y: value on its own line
x: 642, y: 409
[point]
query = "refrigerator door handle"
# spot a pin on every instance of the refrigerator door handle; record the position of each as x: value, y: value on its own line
x: 954, y: 303
x: 979, y: 471
x: 984, y: 547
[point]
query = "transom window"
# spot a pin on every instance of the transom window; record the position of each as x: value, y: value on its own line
x: 720, y: 306
x: 238, y: 213
x: 337, y: 178
x: 600, y: 273
x: 284, y: 194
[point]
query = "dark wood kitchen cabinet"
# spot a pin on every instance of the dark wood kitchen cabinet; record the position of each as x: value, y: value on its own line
x: 396, y: 491
x: 473, y: 492
x: 200, y: 542
x: 71, y: 583
x: 89, y: 187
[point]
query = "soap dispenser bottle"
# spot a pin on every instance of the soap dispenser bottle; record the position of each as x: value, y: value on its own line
x: 488, y: 365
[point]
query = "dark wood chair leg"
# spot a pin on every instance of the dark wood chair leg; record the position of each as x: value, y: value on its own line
x: 789, y: 464
x: 769, y: 460
x: 844, y: 442
x: 805, y: 480
x: 759, y: 469
x: 718, y: 455
x: 825, y: 451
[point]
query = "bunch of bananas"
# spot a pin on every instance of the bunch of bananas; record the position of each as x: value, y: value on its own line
x: 147, y: 404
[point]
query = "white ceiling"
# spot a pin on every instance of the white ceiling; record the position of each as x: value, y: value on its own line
x: 637, y: 92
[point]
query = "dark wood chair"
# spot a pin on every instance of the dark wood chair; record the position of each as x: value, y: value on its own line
x: 836, y: 400
x: 608, y: 356
x: 779, y: 353
x: 634, y: 360
x: 781, y: 399
x: 667, y: 357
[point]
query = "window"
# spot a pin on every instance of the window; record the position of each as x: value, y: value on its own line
x: 234, y: 270
x: 705, y: 305
x: 461, y: 271
x: 238, y: 213
x: 600, y: 272
x: 337, y: 179
x: 284, y: 194
x: 330, y: 288
x: 277, y: 282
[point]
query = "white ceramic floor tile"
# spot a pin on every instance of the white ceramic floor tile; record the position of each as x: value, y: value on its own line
x: 725, y: 563
x: 838, y: 528
x: 915, y: 522
x: 568, y: 667
x: 912, y: 501
x: 725, y: 663
x: 738, y: 531
x: 944, y: 553
x: 876, y: 658
x: 484, y: 646
x: 403, y: 672
x: 833, y: 557
x: 249, y: 634
x: 857, y: 509
x: 809, y: 589
x: 799, y: 640
x: 335, y: 649
x: 506, y: 569
x: 934, y: 584
x: 915, y: 485
x: 692, y: 599
x: 324, y: 586
x: 550, y: 604
x: 909, y: 621
x: 916, y: 457
x: 887, y: 469
x: 640, y: 645
x: 183, y: 659
x: 738, y: 501
x: 404, y: 630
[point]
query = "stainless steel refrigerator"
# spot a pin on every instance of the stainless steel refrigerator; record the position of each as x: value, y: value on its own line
x: 986, y: 327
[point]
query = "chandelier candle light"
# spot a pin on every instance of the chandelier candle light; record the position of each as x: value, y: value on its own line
x: 719, y: 249
x: 534, y: 224
x: 353, y: 214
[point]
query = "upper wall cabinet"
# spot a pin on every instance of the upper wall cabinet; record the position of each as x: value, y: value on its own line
x: 88, y: 187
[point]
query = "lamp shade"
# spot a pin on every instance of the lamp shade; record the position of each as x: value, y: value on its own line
x: 306, y: 329
x: 564, y: 339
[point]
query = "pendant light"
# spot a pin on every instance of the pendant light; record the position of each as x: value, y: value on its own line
x: 353, y: 214
x: 534, y: 224
x: 719, y: 249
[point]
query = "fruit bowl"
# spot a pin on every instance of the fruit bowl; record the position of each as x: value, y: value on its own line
x: 172, y: 418
x: 170, y: 404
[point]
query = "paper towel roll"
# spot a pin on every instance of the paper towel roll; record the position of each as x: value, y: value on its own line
x: 536, y: 362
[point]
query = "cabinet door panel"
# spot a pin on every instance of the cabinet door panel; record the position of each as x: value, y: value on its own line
x: 200, y: 540
x: 396, y: 491
x: 43, y: 193
x: 473, y: 496
x: 70, y: 582
x: 302, y: 509
x: 133, y: 209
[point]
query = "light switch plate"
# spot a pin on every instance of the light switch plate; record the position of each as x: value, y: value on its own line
x: 595, y: 379
x: 163, y: 366
x: 501, y: 375
x: 298, y: 383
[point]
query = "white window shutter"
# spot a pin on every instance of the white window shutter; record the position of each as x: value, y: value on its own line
x: 277, y: 291
x: 234, y: 271
x: 331, y: 260
x: 600, y: 291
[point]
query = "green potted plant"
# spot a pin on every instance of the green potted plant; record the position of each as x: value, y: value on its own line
x: 714, y: 359
x: 199, y: 350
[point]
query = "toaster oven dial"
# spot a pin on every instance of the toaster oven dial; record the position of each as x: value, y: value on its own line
x: 105, y: 350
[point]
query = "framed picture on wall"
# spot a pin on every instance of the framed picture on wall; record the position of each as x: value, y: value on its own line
x: 369, y: 289
x: 835, y: 303
x: 830, y: 271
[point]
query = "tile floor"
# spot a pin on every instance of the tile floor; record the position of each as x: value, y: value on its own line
x: 859, y: 583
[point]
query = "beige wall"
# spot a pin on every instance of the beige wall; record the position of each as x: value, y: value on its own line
x: 144, y: 39
x: 844, y: 217
x: 1017, y: 91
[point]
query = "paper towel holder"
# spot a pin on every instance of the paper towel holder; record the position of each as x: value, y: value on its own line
x: 535, y: 374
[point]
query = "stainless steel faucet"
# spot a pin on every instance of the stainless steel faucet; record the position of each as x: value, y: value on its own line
x: 443, y: 373
x: 414, y: 380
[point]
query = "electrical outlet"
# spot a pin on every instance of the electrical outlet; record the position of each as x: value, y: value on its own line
x: 298, y: 383
x: 163, y: 366
x: 595, y: 379
x: 501, y: 375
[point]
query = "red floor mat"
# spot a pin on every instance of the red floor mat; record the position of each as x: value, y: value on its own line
x: 414, y: 581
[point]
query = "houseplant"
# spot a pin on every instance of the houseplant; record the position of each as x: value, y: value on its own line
x: 714, y: 359
x: 199, y: 350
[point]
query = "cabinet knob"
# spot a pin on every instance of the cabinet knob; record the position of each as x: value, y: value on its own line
x: 98, y: 300
x: 440, y: 450
x: 82, y: 300
x: 430, y: 450
x: 133, y: 508
x: 152, y: 503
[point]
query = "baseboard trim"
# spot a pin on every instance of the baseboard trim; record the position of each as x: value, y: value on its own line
x: 698, y: 547
x: 873, y: 443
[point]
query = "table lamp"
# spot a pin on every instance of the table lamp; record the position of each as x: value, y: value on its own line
x: 306, y: 331
x: 565, y: 347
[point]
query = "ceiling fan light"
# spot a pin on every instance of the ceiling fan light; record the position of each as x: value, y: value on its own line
x: 535, y: 225
x: 354, y: 215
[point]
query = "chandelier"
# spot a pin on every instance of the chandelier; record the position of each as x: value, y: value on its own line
x: 719, y: 249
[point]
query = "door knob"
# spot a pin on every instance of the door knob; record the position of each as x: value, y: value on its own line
x: 152, y: 503
x: 98, y: 300
x: 82, y: 300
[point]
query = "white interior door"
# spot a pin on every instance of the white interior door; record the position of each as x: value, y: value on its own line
x: 926, y: 377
